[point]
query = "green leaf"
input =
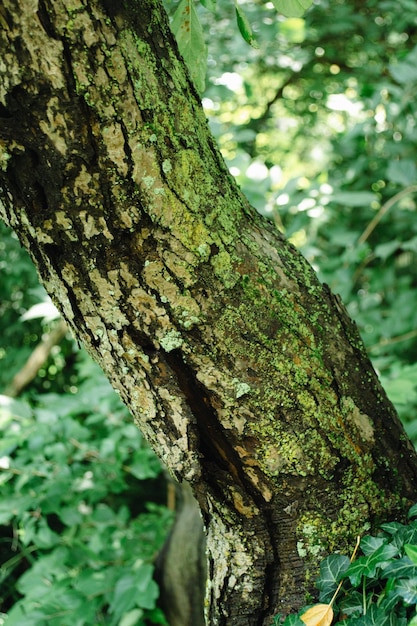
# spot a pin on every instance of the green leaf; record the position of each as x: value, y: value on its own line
x: 400, y: 568
x: 37, y: 581
x: 292, y: 8
x: 210, y: 5
x: 18, y: 616
x: 392, y: 528
x: 332, y: 569
x: 377, y: 616
x: 190, y: 38
x: 402, y: 171
x: 245, y: 27
x: 405, y: 590
x: 368, y: 565
x: 131, y: 618
x: 405, y: 72
x: 411, y: 552
x: 352, y: 604
x: 45, y: 537
x: 413, y: 511
x: 293, y: 620
x: 354, y: 198
x: 385, y: 250
x: 124, y: 597
x: 91, y: 582
x: 136, y: 589
x: 370, y: 544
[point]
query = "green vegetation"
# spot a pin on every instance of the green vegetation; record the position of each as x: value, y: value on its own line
x: 319, y: 126
x: 378, y: 588
x: 82, y: 513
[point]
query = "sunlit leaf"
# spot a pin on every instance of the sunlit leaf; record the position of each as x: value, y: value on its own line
x: 245, y: 27
x: 190, y: 38
x: 318, y: 615
x: 292, y: 8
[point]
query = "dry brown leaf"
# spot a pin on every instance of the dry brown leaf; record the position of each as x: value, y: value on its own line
x: 318, y: 615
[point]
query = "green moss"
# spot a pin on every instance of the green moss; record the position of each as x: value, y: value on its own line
x: 224, y: 269
x: 310, y: 532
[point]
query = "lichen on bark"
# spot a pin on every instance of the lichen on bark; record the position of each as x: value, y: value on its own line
x: 244, y: 372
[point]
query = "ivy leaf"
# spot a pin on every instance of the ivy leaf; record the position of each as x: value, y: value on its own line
x: 318, y: 615
x: 292, y: 8
x: 352, y: 604
x: 411, y: 552
x: 369, y: 544
x: 400, y: 568
x: 392, y: 528
x: 378, y: 616
x: 367, y: 565
x: 332, y: 569
x: 245, y: 27
x: 404, y: 590
x: 292, y: 620
x: 190, y: 39
x: 413, y: 511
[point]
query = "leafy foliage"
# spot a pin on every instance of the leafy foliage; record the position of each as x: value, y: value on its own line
x: 75, y: 512
x: 378, y: 588
x: 190, y: 38
x: 189, y: 33
x: 81, y: 513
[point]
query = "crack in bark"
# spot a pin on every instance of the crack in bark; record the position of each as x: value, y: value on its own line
x: 217, y: 450
x: 214, y: 447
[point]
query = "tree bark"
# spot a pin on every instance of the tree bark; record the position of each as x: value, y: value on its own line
x: 244, y: 372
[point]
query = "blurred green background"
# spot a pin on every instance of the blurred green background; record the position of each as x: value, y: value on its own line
x: 319, y: 126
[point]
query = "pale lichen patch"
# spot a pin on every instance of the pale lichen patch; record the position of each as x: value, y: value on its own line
x: 176, y: 412
x: 235, y: 564
x: 362, y: 422
x: 93, y: 227
x: 115, y: 145
x: 55, y: 127
x: 63, y: 220
x: 171, y: 340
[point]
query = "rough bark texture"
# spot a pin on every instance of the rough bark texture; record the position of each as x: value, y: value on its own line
x: 244, y: 373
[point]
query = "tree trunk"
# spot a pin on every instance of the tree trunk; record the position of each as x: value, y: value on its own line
x: 244, y: 373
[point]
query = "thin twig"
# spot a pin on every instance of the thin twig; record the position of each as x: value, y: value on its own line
x: 398, y: 339
x: 38, y: 357
x: 383, y: 210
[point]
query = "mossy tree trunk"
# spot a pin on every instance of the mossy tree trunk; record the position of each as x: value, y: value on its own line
x: 242, y: 370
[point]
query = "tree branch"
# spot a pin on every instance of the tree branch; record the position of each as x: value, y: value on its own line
x: 36, y: 360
